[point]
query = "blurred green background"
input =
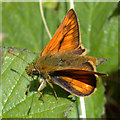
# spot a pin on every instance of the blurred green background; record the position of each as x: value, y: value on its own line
x: 23, y: 28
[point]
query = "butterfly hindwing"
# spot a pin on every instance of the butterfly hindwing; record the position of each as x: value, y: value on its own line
x: 76, y: 82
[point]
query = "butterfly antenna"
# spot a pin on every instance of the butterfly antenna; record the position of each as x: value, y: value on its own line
x: 17, y: 57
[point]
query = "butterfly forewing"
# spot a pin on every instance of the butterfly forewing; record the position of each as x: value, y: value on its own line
x: 66, y: 38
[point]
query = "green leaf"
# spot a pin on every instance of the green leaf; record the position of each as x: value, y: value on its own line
x: 15, y: 81
x: 22, y: 27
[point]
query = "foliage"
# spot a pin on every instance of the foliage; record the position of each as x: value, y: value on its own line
x: 23, y: 28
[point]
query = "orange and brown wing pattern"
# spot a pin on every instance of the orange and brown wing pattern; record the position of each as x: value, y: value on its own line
x: 66, y: 38
x: 76, y: 82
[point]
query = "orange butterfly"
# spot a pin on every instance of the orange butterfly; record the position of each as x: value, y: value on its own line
x: 63, y: 62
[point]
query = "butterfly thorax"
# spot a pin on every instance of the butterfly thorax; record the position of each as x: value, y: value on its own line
x: 60, y: 61
x: 48, y: 63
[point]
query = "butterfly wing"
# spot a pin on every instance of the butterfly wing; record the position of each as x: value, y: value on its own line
x: 77, y: 87
x: 66, y: 38
x: 77, y: 82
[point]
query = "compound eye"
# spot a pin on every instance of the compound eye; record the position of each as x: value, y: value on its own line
x: 35, y: 72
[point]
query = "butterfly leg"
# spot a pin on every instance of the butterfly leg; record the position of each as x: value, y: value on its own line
x: 26, y: 92
x: 28, y: 88
x: 47, y: 80
x: 41, y: 87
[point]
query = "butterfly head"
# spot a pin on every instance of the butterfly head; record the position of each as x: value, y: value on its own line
x: 31, y: 70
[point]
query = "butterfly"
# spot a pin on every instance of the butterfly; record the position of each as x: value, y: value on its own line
x: 64, y: 63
